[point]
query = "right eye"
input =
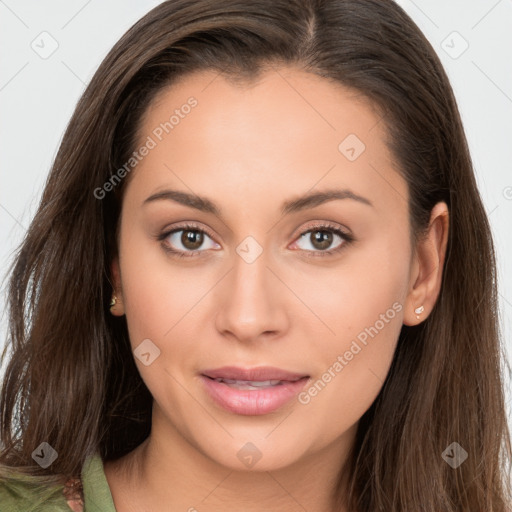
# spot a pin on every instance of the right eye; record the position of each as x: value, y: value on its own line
x: 185, y: 241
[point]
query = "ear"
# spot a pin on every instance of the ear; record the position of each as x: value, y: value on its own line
x: 427, y: 267
x: 118, y: 308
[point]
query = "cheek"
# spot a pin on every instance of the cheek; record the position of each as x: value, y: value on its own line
x: 157, y: 292
x: 351, y: 295
x: 159, y: 299
x: 362, y: 303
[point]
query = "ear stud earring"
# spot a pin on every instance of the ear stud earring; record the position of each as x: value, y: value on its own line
x: 113, y: 301
x: 418, y: 311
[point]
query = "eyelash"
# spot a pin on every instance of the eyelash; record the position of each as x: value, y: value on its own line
x: 347, y: 239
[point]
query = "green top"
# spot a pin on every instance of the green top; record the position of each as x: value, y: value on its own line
x: 22, y: 494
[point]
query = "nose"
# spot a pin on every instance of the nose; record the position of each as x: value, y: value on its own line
x: 252, y: 301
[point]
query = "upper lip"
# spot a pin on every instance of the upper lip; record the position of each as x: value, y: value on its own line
x: 261, y: 373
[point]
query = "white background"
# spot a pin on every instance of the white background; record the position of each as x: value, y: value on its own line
x: 38, y: 96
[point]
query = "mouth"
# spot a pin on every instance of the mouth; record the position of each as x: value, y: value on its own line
x: 251, y: 384
x: 253, y: 391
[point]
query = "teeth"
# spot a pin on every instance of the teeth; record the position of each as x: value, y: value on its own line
x: 249, y: 384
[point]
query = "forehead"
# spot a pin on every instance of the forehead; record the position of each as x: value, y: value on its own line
x: 289, y: 95
x: 288, y: 130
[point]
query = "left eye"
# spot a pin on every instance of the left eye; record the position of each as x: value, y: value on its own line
x: 321, y: 239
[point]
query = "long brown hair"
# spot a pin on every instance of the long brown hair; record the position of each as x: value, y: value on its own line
x: 71, y: 379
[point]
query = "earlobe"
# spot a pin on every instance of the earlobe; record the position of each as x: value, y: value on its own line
x: 427, y: 275
x: 116, y: 301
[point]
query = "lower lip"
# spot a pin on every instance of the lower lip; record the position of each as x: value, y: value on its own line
x: 252, y: 401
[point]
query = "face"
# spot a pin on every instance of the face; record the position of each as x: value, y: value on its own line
x: 258, y: 275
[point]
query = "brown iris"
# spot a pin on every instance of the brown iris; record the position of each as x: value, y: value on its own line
x: 321, y: 239
x: 192, y: 239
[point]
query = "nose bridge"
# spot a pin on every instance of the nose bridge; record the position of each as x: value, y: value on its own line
x: 251, y: 304
x: 250, y: 272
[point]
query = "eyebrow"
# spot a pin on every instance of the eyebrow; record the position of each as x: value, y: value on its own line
x: 309, y: 200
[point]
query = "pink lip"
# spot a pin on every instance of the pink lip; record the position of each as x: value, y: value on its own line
x: 252, y: 401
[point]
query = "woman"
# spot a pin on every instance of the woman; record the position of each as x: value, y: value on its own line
x: 261, y: 277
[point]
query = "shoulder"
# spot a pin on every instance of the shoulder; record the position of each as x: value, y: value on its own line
x: 21, y: 493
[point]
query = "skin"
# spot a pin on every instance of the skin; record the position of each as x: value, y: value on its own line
x: 249, y: 148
